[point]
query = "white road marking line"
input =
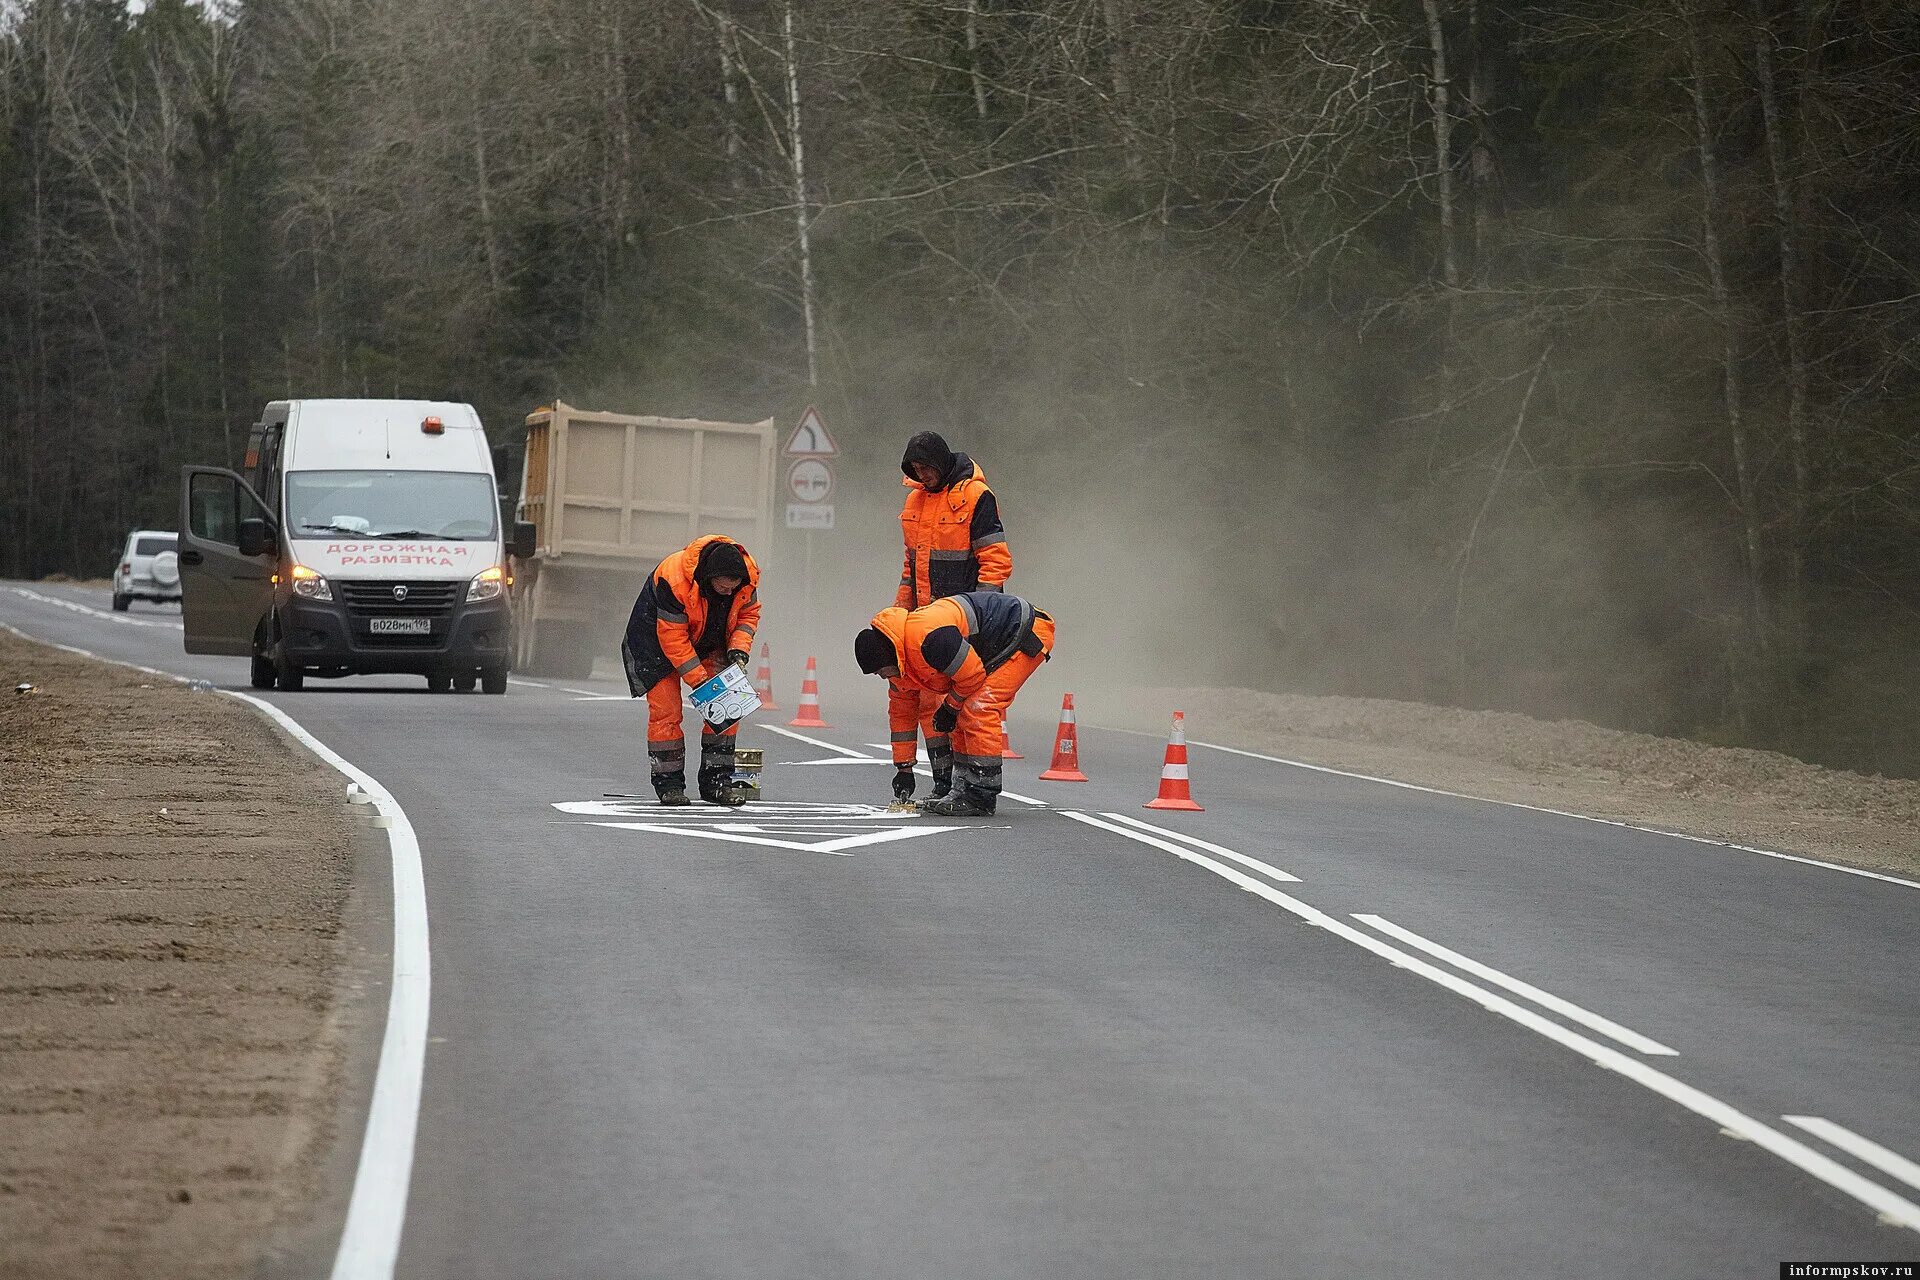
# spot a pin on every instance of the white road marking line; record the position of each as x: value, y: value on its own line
x: 1891, y: 1207
x: 1546, y: 999
x: 119, y: 619
x: 812, y: 742
x: 842, y: 760
x: 1866, y: 1150
x: 377, y: 1209
x: 602, y: 697
x: 783, y: 811
x: 531, y: 684
x: 840, y: 846
x: 1241, y: 858
x: 1535, y: 808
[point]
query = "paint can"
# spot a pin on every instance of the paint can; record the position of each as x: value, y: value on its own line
x: 746, y: 771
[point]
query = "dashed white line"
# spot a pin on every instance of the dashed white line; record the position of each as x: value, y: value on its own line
x: 1545, y: 999
x: 119, y: 619
x: 1865, y: 1150
x: 813, y: 742
x: 1891, y: 1207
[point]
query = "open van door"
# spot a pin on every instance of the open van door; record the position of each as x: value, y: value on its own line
x: 224, y: 594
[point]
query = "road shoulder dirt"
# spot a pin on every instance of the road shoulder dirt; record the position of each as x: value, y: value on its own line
x: 1756, y: 798
x: 171, y: 1039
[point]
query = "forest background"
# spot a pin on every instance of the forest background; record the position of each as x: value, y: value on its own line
x: 1556, y: 357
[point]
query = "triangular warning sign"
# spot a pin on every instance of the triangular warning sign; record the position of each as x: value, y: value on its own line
x: 810, y: 438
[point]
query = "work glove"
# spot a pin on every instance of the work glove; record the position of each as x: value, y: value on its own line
x: 903, y: 782
x: 945, y: 718
x: 739, y: 658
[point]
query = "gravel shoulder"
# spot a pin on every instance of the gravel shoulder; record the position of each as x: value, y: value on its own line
x: 1757, y: 798
x: 173, y: 873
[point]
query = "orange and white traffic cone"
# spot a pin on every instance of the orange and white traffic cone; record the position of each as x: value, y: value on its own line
x: 1173, y: 774
x: 1006, y: 743
x: 808, y: 716
x: 763, y: 681
x: 1066, y: 749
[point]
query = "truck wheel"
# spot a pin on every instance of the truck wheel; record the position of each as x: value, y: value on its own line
x: 439, y: 682
x: 292, y: 679
x: 493, y: 680
x: 120, y: 602
x: 464, y: 682
x: 264, y: 675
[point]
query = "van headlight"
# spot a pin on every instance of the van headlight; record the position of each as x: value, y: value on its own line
x: 488, y: 584
x: 309, y: 585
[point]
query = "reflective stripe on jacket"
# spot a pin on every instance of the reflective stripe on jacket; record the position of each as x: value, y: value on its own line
x: 954, y: 539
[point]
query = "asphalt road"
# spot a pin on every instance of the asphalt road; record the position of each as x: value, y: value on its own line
x: 1044, y: 1046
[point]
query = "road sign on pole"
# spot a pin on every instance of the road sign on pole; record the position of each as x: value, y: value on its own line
x: 810, y: 480
x: 810, y: 438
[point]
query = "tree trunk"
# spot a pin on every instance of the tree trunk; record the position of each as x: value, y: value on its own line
x: 1711, y: 215
x: 1793, y: 314
x: 1443, y: 143
x: 1123, y: 95
x: 1480, y: 157
x: 973, y: 64
x: 802, y: 208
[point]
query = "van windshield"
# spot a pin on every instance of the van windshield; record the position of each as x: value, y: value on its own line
x: 452, y: 506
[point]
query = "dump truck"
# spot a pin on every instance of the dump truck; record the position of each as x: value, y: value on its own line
x: 604, y: 497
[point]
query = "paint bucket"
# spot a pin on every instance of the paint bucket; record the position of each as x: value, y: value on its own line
x: 746, y: 771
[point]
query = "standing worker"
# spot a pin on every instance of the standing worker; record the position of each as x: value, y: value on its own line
x: 969, y: 654
x: 699, y: 609
x: 955, y: 543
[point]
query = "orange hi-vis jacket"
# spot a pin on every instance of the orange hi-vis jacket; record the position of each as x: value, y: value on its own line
x: 961, y: 681
x: 679, y: 618
x: 954, y: 539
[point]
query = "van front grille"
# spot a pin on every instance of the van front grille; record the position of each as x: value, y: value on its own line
x: 399, y: 599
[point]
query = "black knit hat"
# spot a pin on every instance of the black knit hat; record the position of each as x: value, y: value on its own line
x: 930, y: 448
x: 872, y: 650
x: 720, y: 560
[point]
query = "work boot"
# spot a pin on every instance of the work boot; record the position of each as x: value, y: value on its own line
x: 677, y: 796
x: 942, y: 784
x: 961, y: 804
x: 718, y: 788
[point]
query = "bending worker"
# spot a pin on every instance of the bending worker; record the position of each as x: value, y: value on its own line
x: 699, y: 609
x: 970, y: 654
x: 955, y: 543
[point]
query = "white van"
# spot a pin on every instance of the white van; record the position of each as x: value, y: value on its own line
x: 361, y: 537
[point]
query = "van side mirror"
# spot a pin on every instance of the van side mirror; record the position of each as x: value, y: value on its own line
x: 525, y: 537
x: 253, y: 537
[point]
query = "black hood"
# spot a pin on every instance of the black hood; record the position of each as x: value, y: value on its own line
x: 930, y: 448
x: 872, y: 651
x: 719, y: 560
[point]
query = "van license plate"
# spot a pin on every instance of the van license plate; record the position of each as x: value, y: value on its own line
x: 401, y: 626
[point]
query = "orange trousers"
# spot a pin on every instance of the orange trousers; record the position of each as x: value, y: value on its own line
x: 666, y: 739
x: 978, y: 735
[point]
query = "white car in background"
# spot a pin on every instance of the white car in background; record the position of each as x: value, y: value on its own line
x: 149, y: 569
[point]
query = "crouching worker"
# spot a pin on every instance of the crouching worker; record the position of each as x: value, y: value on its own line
x: 974, y: 651
x: 699, y: 610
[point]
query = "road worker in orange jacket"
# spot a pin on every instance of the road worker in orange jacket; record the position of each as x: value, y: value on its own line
x: 970, y: 653
x: 954, y: 543
x: 699, y: 610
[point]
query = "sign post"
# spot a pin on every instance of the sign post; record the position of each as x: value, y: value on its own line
x: 810, y: 450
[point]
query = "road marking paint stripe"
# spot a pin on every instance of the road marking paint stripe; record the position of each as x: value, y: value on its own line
x: 1865, y: 1150
x: 119, y: 619
x: 1892, y: 1208
x: 812, y: 742
x: 1241, y: 858
x: 1536, y: 808
x: 1565, y: 1008
x: 377, y: 1210
x: 531, y: 684
x: 921, y: 756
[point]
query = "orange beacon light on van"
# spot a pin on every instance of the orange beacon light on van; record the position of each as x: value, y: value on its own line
x: 432, y: 426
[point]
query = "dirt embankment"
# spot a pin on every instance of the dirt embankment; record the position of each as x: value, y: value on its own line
x: 172, y: 875
x: 1758, y: 798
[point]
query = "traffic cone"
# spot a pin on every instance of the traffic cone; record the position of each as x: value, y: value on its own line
x: 1173, y: 774
x: 808, y: 716
x: 1006, y: 744
x: 1066, y: 749
x: 763, y: 681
